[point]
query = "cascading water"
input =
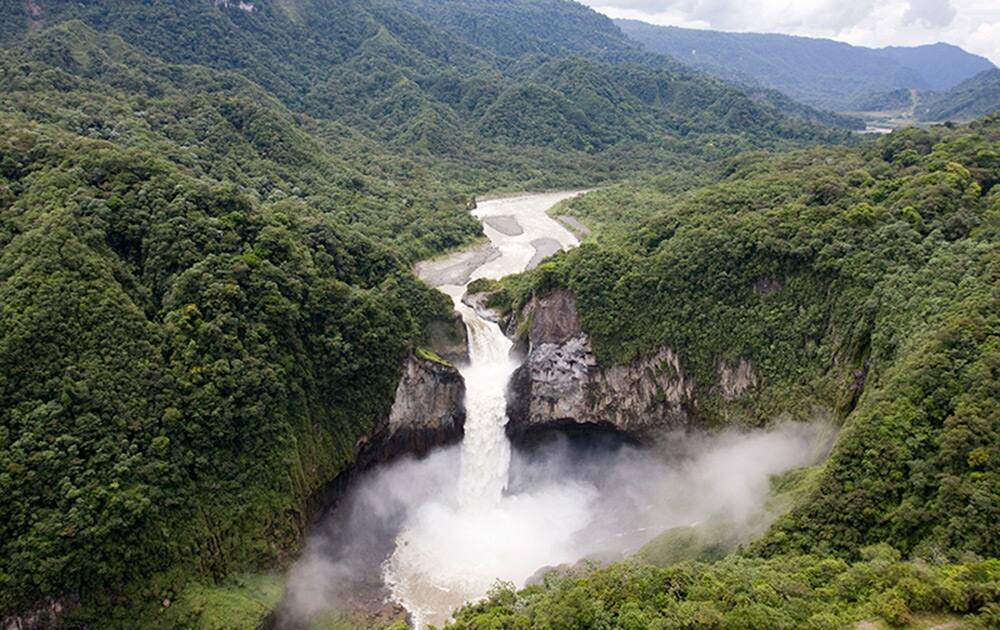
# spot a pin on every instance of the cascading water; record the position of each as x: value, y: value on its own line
x: 485, y: 448
x: 453, y: 550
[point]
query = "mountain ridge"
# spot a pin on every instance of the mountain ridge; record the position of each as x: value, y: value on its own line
x: 819, y: 72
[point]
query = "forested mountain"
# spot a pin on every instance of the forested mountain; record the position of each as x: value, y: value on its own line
x: 208, y: 211
x: 973, y: 98
x: 525, y: 27
x: 381, y: 70
x: 819, y: 72
x: 865, y: 281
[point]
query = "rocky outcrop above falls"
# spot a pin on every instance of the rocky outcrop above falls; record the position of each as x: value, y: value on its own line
x: 449, y: 338
x: 560, y: 384
x: 427, y: 411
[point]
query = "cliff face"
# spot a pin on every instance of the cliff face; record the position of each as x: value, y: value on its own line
x: 561, y: 384
x: 428, y: 411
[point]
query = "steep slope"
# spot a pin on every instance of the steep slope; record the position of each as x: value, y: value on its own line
x: 818, y: 72
x: 561, y: 29
x: 973, y: 98
x: 941, y: 66
x: 515, y: 28
x: 863, y: 282
x: 416, y: 76
x: 193, y: 338
x: 208, y: 211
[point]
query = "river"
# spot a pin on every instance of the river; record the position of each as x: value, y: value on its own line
x: 435, y: 533
x: 454, y: 549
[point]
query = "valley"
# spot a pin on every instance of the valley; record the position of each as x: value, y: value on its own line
x: 334, y: 314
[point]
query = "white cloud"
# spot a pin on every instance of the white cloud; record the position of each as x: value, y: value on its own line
x: 972, y: 24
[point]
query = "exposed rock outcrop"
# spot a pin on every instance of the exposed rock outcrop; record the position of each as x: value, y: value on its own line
x: 427, y: 411
x: 736, y: 380
x: 561, y: 383
x: 44, y: 616
x: 449, y: 339
x: 479, y: 302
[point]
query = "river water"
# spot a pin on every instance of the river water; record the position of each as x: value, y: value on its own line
x: 452, y: 550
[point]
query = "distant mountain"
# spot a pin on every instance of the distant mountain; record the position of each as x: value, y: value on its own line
x: 819, y: 72
x: 941, y: 66
x: 971, y: 99
x: 533, y: 29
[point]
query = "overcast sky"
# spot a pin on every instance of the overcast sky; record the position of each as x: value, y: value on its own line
x: 972, y: 24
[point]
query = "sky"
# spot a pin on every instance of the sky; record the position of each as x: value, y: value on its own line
x: 972, y: 24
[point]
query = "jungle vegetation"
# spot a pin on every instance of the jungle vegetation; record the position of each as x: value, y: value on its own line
x: 208, y: 216
x: 861, y: 280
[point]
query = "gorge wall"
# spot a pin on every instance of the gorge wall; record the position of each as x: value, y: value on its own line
x: 428, y: 411
x: 561, y: 384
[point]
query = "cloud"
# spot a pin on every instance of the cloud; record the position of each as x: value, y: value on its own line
x: 753, y: 14
x: 971, y: 24
x: 930, y: 12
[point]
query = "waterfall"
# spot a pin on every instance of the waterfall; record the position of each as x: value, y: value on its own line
x: 453, y: 550
x: 485, y: 448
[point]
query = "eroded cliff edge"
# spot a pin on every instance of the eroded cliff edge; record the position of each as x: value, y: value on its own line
x: 428, y: 411
x: 561, y: 385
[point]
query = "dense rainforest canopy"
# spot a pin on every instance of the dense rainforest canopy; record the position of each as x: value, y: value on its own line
x: 207, y: 217
x: 866, y: 281
x: 208, y: 214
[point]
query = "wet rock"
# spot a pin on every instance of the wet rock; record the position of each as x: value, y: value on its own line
x: 561, y: 383
x: 428, y: 411
x: 449, y: 338
x: 479, y: 303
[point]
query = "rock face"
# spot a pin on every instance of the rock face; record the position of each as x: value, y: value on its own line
x: 44, y: 616
x: 478, y: 302
x: 428, y: 411
x: 735, y: 380
x: 449, y: 339
x: 560, y: 383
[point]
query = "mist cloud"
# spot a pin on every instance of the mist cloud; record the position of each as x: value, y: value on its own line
x: 565, y: 502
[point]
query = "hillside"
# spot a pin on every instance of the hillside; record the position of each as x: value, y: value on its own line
x: 818, y: 72
x: 971, y: 99
x: 208, y: 215
x: 862, y: 282
x: 436, y: 89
